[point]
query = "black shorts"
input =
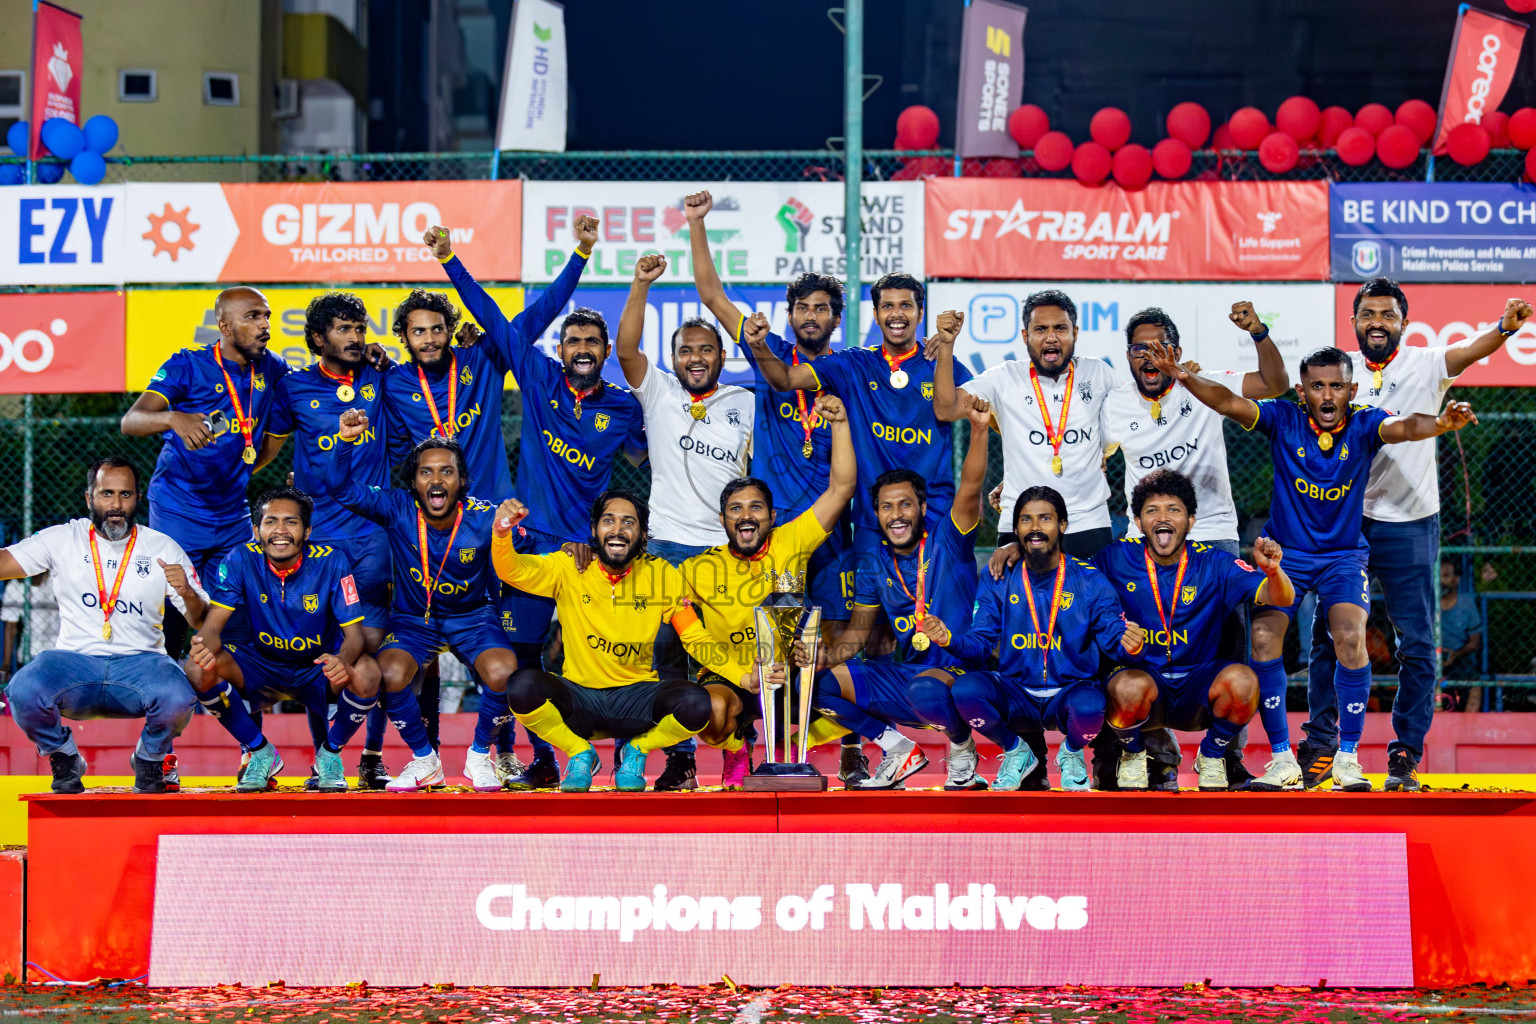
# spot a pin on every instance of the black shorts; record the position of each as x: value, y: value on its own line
x: 751, y: 703
x: 595, y: 713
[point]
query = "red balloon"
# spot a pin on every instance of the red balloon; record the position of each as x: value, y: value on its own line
x: 1299, y: 118
x: 1530, y: 166
x: 1334, y: 121
x: 1497, y: 124
x: 1522, y: 128
x: 1374, y: 118
x: 1355, y: 146
x: 1171, y: 159
x: 1468, y: 143
x: 1248, y: 127
x: 1418, y: 117
x: 1053, y: 152
x: 1221, y: 138
x: 1026, y: 124
x: 1278, y: 152
x: 1132, y: 167
x: 1092, y: 163
x: 917, y: 127
x: 1521, y: 6
x: 1110, y: 128
x: 1397, y: 146
x: 1190, y: 124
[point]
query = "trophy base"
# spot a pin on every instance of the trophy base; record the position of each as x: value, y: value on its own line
x: 785, y: 777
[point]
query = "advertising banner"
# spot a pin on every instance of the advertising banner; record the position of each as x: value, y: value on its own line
x: 823, y: 909
x: 162, y: 321
x: 58, y: 67
x: 533, y: 90
x: 1297, y: 315
x: 759, y: 232
x: 60, y: 342
x: 62, y: 234
x: 1170, y: 231
x: 1433, y: 231
x: 1445, y: 314
x: 1484, y: 53
x: 991, y: 77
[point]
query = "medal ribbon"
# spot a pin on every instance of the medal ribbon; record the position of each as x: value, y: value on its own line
x: 283, y: 574
x: 805, y: 410
x: 1045, y: 414
x: 614, y: 581
x: 347, y: 378
x: 1029, y: 595
x: 895, y: 364
x: 453, y: 398
x: 1156, y: 400
x: 1157, y: 597
x: 580, y: 395
x: 246, y: 426
x: 919, y: 608
x: 108, y: 602
x: 1318, y: 431
x: 421, y: 543
x: 694, y: 399
x: 1376, y: 368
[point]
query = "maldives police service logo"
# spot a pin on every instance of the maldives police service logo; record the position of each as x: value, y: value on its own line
x: 1365, y: 257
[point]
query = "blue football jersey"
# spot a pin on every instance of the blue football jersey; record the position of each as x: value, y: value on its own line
x: 563, y: 462
x: 1215, y: 584
x: 893, y: 428
x: 1319, y: 496
x: 209, y: 484
x: 306, y: 407
x: 291, y: 620
x: 949, y: 585
x: 778, y: 437
x: 1089, y: 623
x: 459, y: 563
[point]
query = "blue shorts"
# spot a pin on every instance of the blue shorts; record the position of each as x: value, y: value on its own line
x: 467, y: 635
x: 369, y: 558
x: 829, y: 575
x: 268, y: 681
x: 205, y: 543
x: 1035, y: 712
x: 881, y: 688
x: 1183, y: 695
x: 1338, y: 578
x: 525, y: 617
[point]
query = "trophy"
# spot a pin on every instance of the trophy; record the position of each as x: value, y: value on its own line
x: 779, y: 622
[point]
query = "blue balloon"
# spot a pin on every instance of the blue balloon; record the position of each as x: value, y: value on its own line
x: 63, y: 138
x: 16, y: 138
x: 100, y: 134
x: 88, y: 168
x: 50, y: 174
x: 13, y: 174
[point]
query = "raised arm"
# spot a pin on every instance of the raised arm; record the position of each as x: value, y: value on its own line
x: 800, y: 377
x: 178, y: 583
x: 1277, y: 591
x: 1270, y: 380
x: 1233, y: 406
x: 632, y: 321
x: 844, y: 472
x: 1461, y: 356
x: 534, y: 574
x: 706, y: 280
x: 940, y: 347
x: 966, y: 510
x: 1421, y: 426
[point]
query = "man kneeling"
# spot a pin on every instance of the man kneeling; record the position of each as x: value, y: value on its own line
x: 609, y: 619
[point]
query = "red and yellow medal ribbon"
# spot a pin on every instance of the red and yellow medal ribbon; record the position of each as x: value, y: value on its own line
x: 246, y: 426
x: 1052, y: 434
x: 453, y: 397
x: 696, y: 407
x: 805, y: 409
x: 421, y: 543
x: 1157, y: 402
x: 108, y: 602
x: 895, y: 364
x: 919, y: 605
x: 1157, y: 597
x: 1325, y: 437
x: 1376, y: 368
x: 1050, y: 629
x: 579, y: 395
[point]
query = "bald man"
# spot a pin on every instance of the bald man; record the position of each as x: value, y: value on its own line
x: 210, y: 406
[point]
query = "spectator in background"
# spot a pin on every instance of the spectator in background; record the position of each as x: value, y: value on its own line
x: 42, y: 627
x: 1461, y: 635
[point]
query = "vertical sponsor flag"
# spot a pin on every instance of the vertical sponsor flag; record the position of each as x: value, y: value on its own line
x: 533, y: 89
x: 57, y: 66
x: 991, y: 77
x: 1484, y: 52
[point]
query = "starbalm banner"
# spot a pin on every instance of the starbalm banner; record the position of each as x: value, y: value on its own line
x: 803, y: 909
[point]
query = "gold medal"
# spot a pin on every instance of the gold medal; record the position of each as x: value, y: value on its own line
x: 1325, y: 442
x: 345, y: 393
x: 697, y: 410
x: 920, y: 641
x: 1056, y: 464
x: 899, y: 379
x: 1157, y: 409
x: 805, y: 449
x: 106, y: 631
x: 1376, y: 379
x: 249, y: 455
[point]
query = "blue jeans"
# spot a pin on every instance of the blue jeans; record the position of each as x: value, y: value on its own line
x: 1405, y: 559
x: 671, y: 659
x: 63, y: 684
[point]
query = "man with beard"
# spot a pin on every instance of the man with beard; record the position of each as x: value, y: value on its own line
x: 610, y: 615
x: 1051, y: 621
x: 929, y: 562
x: 113, y: 578
x: 731, y: 580
x: 1181, y: 680
x: 210, y: 405
x: 304, y: 646
x: 790, y: 446
x: 439, y: 539
x: 1321, y: 451
x: 1402, y: 521
x: 575, y: 425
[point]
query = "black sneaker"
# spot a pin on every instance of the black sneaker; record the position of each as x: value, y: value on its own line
x: 679, y: 774
x: 1106, y: 748
x: 853, y: 767
x: 1162, y: 777
x: 171, y: 769
x: 67, y: 770
x: 148, y: 776
x: 541, y: 773
x: 312, y: 784
x: 1316, y: 764
x: 1402, y: 775
x: 1037, y: 781
x: 1238, y: 775
x: 372, y: 772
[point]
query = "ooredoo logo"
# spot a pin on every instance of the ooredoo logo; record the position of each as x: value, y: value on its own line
x: 1487, y: 64
x: 31, y: 350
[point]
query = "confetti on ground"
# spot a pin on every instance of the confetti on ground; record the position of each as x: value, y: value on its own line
x: 720, y: 1004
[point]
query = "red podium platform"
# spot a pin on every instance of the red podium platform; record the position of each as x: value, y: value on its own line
x: 1470, y: 857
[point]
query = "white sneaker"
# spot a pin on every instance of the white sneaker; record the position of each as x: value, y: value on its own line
x: 907, y: 758
x: 1347, y: 774
x: 1282, y: 772
x: 421, y: 773
x: 508, y: 766
x: 480, y: 770
x: 1131, y: 772
x: 1212, y: 772
x: 961, y: 764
